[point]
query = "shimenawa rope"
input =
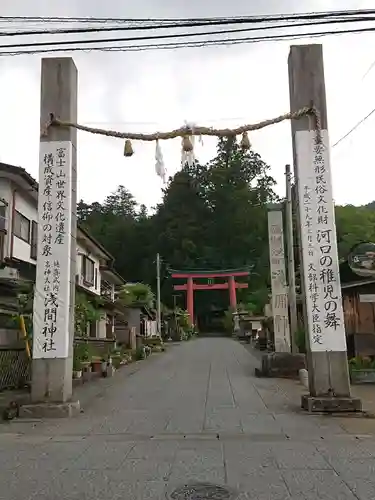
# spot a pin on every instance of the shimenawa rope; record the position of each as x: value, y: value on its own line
x: 187, y: 131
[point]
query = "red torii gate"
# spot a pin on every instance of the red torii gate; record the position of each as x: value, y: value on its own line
x: 190, y: 286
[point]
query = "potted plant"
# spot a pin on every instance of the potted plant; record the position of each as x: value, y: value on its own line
x: 77, y: 368
x: 96, y: 363
x: 140, y: 353
x: 362, y: 370
x: 82, y: 352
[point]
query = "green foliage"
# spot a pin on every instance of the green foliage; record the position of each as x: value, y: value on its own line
x: 187, y: 334
x: 84, y: 351
x: 25, y: 299
x: 140, y: 353
x: 212, y: 216
x: 361, y: 363
x: 77, y: 363
x: 152, y: 341
x: 228, y: 322
x: 183, y: 320
x: 86, y: 311
x: 248, y: 307
x: 354, y: 225
x: 136, y: 294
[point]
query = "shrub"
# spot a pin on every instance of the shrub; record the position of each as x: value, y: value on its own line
x: 152, y: 341
x: 140, y: 353
x: 361, y: 363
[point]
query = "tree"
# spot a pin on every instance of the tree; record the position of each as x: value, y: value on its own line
x: 181, y: 222
x: 212, y: 216
x: 353, y: 225
x: 138, y: 294
x: 238, y: 189
x: 114, y: 223
x: 215, y: 216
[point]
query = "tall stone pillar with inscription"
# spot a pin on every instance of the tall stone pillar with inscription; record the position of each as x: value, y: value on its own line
x: 278, y: 280
x: 53, y: 328
x: 324, y: 320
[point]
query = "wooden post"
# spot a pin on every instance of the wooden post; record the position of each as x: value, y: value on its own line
x: 54, y: 300
x: 327, y: 357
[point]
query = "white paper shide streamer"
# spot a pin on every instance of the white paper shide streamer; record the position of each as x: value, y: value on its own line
x: 159, y: 162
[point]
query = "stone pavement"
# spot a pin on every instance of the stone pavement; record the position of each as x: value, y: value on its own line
x: 193, y: 414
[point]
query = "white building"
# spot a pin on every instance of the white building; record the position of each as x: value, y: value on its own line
x: 95, y: 275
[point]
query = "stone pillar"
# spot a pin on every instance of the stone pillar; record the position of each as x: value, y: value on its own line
x: 324, y: 320
x: 55, y: 298
x: 190, y: 299
x: 278, y: 279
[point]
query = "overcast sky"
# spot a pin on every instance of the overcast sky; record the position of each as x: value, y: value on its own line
x: 217, y: 86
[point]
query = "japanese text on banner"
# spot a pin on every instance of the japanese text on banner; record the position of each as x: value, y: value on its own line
x: 51, y: 303
x: 319, y: 245
x: 278, y: 281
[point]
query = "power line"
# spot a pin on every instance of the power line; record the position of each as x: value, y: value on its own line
x: 147, y: 37
x: 354, y: 128
x: 308, y: 15
x: 174, y: 45
x: 313, y: 22
x: 368, y: 70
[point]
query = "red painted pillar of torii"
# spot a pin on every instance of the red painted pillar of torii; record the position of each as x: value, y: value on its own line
x: 190, y: 299
x: 232, y: 285
x: 232, y: 293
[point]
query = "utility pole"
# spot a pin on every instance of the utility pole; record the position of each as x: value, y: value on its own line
x: 329, y: 384
x: 158, y: 321
x: 290, y: 254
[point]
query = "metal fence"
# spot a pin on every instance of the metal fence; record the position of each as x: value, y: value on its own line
x: 14, y: 368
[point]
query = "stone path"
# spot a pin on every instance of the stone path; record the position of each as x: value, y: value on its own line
x: 193, y: 414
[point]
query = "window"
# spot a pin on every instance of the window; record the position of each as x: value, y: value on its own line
x: 3, y: 214
x: 21, y: 227
x: 88, y: 270
x: 92, y: 329
x: 34, y: 240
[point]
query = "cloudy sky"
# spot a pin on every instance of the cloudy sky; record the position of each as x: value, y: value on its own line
x: 216, y: 86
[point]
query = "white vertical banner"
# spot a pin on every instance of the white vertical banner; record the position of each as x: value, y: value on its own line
x: 319, y: 244
x: 52, y: 287
x: 278, y: 281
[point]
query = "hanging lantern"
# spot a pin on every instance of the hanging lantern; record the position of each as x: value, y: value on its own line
x: 128, y: 148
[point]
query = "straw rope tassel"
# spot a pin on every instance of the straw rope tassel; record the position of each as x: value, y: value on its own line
x: 128, y: 148
x: 245, y: 142
x: 187, y: 145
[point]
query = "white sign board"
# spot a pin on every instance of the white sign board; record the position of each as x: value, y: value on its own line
x: 52, y: 288
x: 319, y: 244
x: 368, y: 297
x: 278, y: 281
